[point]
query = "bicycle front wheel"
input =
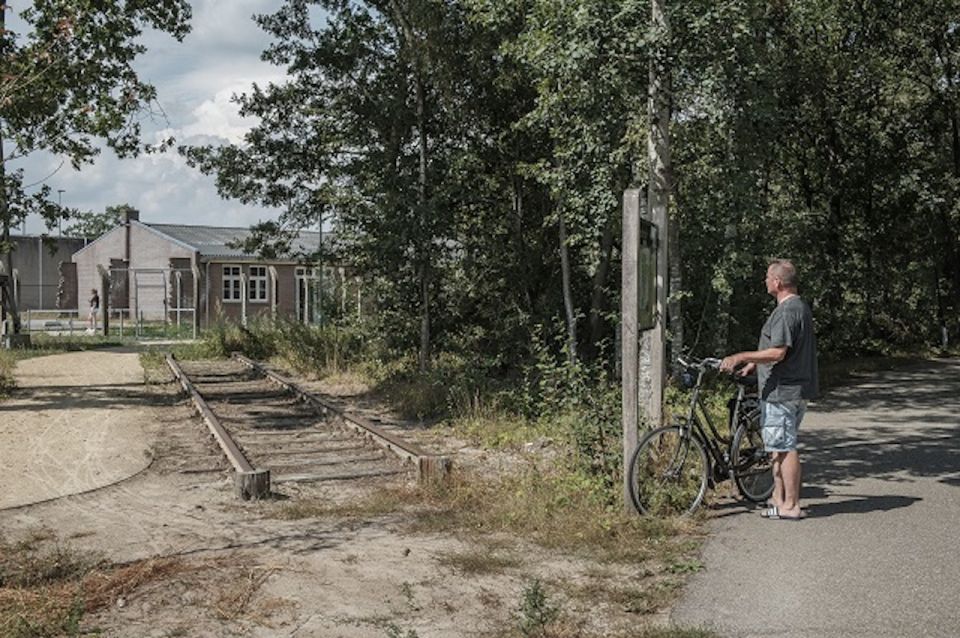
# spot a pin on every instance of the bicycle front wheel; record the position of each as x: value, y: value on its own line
x: 668, y: 472
x: 752, y: 466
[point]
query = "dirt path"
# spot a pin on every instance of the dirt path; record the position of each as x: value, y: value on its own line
x: 248, y: 572
x: 75, y: 424
x: 877, y: 555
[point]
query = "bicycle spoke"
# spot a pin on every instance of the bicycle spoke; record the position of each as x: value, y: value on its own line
x: 668, y: 473
x: 751, y: 464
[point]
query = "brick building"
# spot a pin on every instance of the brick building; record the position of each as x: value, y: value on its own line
x: 194, y: 273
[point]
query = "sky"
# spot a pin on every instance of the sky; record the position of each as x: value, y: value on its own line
x: 195, y: 80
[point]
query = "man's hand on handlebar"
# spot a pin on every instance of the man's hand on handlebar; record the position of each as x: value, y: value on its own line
x: 747, y: 370
x: 730, y: 364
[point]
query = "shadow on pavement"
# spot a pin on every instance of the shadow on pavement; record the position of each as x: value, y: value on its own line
x: 896, y: 425
x: 860, y: 505
x: 930, y: 385
x: 839, y: 457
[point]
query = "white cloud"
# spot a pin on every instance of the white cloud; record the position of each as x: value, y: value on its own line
x: 195, y: 80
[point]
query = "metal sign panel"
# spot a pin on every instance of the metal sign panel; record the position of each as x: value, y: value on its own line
x: 647, y: 276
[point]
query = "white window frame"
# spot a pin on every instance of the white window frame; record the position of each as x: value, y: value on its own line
x: 232, y: 283
x: 257, y: 284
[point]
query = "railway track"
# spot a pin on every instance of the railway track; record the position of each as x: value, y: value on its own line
x: 273, y: 432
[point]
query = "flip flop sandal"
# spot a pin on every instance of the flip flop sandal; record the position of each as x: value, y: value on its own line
x: 771, y: 512
x: 781, y: 517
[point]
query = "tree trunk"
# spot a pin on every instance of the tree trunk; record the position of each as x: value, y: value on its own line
x: 598, y: 296
x: 424, y: 239
x: 653, y: 344
x: 571, y: 315
x: 675, y: 301
x: 5, y: 252
x: 414, y: 48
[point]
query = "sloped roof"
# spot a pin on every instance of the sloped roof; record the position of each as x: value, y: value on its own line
x: 211, y: 241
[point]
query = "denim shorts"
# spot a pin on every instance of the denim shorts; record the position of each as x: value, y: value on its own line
x: 780, y: 421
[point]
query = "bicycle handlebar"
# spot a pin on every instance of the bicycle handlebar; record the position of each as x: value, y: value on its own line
x: 709, y: 362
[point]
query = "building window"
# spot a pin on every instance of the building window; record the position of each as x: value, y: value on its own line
x: 231, y: 283
x: 258, y: 283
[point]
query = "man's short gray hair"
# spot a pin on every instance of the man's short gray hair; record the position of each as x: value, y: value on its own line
x: 786, y: 271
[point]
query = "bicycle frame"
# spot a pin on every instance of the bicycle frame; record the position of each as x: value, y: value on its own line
x: 664, y: 462
x: 696, y: 419
x: 697, y: 415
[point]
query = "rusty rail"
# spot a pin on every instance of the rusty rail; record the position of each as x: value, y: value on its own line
x: 429, y: 466
x: 248, y: 482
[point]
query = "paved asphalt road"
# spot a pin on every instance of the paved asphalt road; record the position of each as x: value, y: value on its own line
x: 879, y: 554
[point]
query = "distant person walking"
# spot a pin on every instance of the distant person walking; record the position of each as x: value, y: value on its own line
x: 786, y: 365
x: 94, y: 309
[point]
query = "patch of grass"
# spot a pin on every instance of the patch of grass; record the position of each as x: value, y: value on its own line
x: 676, y: 632
x: 7, y: 381
x: 46, y: 591
x: 42, y: 344
x: 379, y: 503
x: 536, y: 611
x: 395, y: 631
x: 235, y: 602
x: 495, y: 429
x: 642, y: 597
x: 546, y: 507
x: 556, y: 512
x: 479, y: 561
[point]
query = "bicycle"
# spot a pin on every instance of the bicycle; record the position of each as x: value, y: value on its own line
x: 673, y: 466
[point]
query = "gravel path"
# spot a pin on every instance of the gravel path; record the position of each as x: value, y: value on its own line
x: 74, y: 424
x: 877, y: 555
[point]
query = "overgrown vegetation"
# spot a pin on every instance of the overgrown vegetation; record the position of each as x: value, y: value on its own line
x: 47, y: 588
x: 7, y: 364
x: 479, y: 194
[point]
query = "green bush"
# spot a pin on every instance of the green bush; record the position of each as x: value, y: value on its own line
x: 325, y: 349
x: 7, y: 363
x: 256, y: 340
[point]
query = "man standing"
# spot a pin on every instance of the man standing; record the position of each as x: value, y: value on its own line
x: 94, y: 309
x: 786, y: 364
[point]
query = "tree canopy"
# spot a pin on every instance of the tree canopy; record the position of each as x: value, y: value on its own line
x: 471, y: 156
x: 68, y: 86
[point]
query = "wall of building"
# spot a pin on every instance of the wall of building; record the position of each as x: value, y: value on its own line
x: 146, y: 294
x: 38, y: 264
x: 233, y: 310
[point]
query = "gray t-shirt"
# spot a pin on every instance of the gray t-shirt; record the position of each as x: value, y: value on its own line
x: 796, y: 376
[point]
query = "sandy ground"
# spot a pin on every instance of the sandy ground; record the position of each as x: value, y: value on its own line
x: 76, y: 426
x: 87, y: 420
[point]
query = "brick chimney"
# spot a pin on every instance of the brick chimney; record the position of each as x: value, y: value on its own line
x: 129, y: 214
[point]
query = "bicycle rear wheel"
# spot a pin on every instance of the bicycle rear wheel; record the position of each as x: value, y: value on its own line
x: 668, y: 472
x: 752, y: 466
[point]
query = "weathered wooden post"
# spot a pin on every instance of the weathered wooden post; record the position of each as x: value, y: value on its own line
x: 251, y: 484
x: 638, y: 336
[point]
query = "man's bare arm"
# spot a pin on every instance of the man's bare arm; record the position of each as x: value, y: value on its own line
x: 770, y: 355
